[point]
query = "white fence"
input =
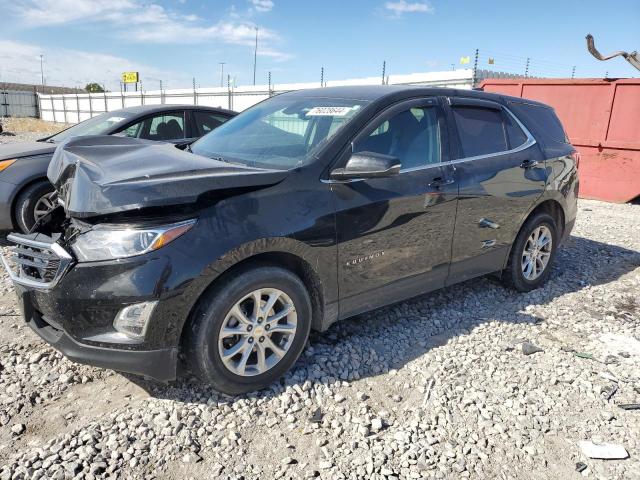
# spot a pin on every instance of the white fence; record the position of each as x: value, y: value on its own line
x: 73, y: 108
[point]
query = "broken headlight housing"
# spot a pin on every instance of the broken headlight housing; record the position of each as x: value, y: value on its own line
x: 109, y: 242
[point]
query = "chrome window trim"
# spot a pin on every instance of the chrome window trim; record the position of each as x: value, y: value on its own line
x: 529, y: 142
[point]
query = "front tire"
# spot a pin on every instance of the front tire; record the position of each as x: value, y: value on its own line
x: 32, y: 203
x: 532, y: 254
x: 249, y: 331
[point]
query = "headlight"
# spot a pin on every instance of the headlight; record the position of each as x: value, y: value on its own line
x: 4, y: 164
x: 108, y: 242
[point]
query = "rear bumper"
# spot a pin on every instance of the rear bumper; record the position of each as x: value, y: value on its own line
x: 159, y: 364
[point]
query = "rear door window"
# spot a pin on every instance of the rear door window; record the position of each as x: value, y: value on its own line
x: 481, y: 130
x: 163, y: 126
x: 207, y: 121
x: 515, y: 135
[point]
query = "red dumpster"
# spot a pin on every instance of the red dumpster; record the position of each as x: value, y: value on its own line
x: 602, y: 120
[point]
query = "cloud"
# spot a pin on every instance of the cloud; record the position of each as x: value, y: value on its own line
x: 400, y: 7
x: 66, y: 67
x: 152, y: 23
x: 262, y: 5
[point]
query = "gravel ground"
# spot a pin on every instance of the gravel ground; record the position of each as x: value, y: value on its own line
x: 445, y: 386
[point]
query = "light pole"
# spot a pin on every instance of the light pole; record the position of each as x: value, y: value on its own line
x: 255, y: 57
x: 222, y: 73
x: 42, y: 72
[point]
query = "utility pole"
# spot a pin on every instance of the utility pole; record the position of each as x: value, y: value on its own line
x: 42, y: 72
x: 222, y: 73
x: 255, y: 57
x: 475, y: 68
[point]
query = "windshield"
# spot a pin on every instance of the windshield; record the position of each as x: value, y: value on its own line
x: 97, y: 125
x: 282, y: 132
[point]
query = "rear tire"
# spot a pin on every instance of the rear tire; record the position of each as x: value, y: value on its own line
x: 28, y: 201
x: 265, y: 348
x: 531, y: 259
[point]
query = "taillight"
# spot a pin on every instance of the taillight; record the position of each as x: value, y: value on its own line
x: 576, y: 158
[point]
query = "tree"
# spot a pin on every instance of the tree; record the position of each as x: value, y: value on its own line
x: 94, y: 88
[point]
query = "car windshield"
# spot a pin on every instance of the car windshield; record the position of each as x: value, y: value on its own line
x: 97, y: 125
x: 283, y: 132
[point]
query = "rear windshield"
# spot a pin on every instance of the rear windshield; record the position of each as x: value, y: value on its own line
x: 283, y: 132
x: 542, y: 120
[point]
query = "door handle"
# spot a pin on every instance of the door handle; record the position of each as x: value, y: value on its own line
x: 440, y: 182
x: 529, y: 163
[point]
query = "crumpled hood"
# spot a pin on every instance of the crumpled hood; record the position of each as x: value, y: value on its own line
x: 25, y: 149
x: 101, y: 175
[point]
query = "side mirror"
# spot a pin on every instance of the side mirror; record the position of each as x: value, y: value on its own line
x: 367, y: 165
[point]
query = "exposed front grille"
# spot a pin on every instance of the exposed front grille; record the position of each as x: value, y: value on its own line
x: 36, y: 261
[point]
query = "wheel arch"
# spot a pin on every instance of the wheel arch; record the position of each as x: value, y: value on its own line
x: 240, y: 260
x: 550, y: 206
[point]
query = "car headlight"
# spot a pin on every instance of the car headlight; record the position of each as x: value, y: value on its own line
x: 108, y: 242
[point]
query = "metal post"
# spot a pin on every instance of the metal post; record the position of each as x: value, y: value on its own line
x: 195, y: 98
x: 229, y: 90
x: 53, y: 107
x: 526, y: 69
x: 161, y: 94
x: 38, y: 104
x: 255, y: 57
x: 270, y: 92
x: 384, y: 69
x: 475, y: 69
x: 573, y: 72
x: 78, y: 105
x: 141, y: 94
x: 90, y: 106
x: 42, y: 72
x: 106, y: 108
x: 64, y: 107
x: 222, y: 73
x: 322, y: 76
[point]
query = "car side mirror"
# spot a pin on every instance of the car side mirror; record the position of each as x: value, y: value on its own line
x: 367, y: 165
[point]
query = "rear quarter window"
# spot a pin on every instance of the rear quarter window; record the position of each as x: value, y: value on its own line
x: 543, y: 121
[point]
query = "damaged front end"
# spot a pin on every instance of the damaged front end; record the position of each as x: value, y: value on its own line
x: 119, y: 197
x: 102, y: 277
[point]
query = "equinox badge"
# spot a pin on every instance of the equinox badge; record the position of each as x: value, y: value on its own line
x: 366, y: 258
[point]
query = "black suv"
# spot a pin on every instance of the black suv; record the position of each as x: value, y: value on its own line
x: 310, y: 207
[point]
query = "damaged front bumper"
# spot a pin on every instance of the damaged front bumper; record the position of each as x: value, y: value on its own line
x: 73, y: 306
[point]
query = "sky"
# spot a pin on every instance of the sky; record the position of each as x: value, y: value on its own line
x: 175, y: 41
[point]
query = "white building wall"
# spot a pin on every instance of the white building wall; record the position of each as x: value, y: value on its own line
x: 72, y: 108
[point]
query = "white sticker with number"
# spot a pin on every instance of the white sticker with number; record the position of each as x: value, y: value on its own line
x: 328, y: 111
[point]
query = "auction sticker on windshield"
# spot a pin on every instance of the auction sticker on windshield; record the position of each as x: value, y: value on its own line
x: 328, y: 111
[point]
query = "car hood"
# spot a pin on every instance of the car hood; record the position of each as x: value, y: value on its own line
x: 103, y: 175
x: 25, y: 149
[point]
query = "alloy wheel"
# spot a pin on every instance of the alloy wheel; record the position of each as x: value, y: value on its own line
x: 257, y: 332
x: 537, y: 252
x: 44, y: 205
